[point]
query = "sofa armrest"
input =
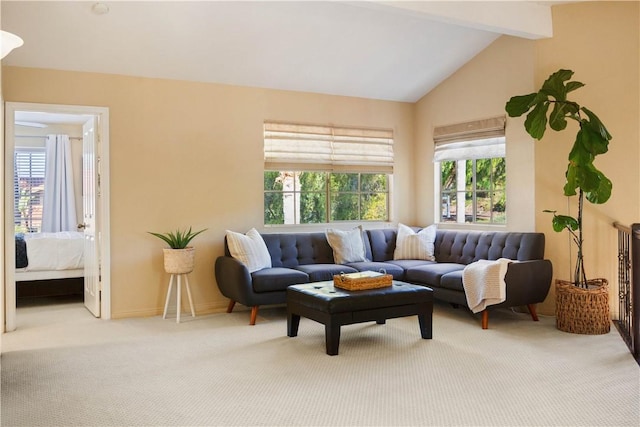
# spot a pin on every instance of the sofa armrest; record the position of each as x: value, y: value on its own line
x: 234, y: 279
x: 528, y: 282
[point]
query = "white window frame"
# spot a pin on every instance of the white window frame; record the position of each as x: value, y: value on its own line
x: 481, y: 139
x: 461, y: 192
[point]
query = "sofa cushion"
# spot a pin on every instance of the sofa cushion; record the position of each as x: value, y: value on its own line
x: 452, y: 281
x: 383, y: 243
x: 322, y: 272
x: 348, y: 246
x: 293, y: 249
x: 277, y: 279
x: 396, y: 271
x: 406, y: 264
x: 415, y: 245
x: 249, y: 249
x: 431, y: 274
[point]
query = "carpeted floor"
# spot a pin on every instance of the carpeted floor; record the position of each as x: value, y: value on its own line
x: 64, y: 368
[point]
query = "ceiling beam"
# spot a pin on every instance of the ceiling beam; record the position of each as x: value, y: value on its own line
x: 526, y: 19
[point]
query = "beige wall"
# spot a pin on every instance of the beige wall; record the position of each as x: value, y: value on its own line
x: 476, y: 91
x: 600, y: 42
x: 190, y: 154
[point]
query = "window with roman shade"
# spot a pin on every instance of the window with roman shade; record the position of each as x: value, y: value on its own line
x: 316, y: 147
x: 471, y: 171
x: 322, y: 174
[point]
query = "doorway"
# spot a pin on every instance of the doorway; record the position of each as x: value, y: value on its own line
x: 92, y: 137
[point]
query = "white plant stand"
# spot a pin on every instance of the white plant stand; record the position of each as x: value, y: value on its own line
x: 178, y: 295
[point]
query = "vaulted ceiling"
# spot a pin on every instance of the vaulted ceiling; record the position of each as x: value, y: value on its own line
x: 380, y: 50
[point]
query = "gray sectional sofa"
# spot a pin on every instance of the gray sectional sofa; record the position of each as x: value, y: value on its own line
x: 308, y: 257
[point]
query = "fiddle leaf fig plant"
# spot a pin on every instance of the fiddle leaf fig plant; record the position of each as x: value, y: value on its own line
x: 583, y: 178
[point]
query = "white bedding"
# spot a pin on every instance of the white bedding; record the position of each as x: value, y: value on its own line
x: 55, y: 251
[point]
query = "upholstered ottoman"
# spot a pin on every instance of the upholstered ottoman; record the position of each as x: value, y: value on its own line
x: 334, y: 307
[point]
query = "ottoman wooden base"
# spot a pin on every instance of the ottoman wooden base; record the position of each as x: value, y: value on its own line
x: 334, y: 307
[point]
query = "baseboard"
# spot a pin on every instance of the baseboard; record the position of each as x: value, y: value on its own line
x: 201, y: 309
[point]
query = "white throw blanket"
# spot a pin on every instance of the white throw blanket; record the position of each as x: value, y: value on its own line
x: 484, y: 284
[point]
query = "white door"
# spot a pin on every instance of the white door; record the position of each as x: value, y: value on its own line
x: 90, y: 191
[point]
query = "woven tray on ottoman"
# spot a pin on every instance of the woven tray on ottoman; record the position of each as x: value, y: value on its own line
x: 361, y: 281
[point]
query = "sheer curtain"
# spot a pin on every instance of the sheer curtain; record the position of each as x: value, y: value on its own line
x: 59, y: 210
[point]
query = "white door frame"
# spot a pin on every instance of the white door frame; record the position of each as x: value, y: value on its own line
x: 103, y: 209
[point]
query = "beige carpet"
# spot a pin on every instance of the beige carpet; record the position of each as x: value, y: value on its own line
x: 64, y: 368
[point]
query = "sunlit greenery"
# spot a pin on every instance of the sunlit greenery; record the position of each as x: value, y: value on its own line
x: 306, y: 197
x: 483, y: 190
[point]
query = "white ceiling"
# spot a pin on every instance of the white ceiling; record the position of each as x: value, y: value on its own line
x: 380, y: 50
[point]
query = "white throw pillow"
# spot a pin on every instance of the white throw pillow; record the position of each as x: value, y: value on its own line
x: 347, y: 246
x: 249, y: 249
x: 412, y: 245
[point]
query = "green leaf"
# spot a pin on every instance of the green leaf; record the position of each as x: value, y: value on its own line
x: 554, y: 85
x: 602, y: 193
x: 178, y: 239
x: 572, y: 180
x: 536, y: 121
x: 518, y: 105
x: 591, y: 140
x: 571, y: 86
x: 557, y: 121
x: 588, y: 177
x: 579, y: 154
x: 596, y: 124
x: 562, y: 222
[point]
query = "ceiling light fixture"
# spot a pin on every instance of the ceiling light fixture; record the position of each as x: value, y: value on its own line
x: 100, y: 8
x: 8, y: 42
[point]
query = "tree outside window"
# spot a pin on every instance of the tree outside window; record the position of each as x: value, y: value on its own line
x: 310, y: 197
x: 478, y: 183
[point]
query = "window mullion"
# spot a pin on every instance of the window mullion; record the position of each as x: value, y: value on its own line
x: 327, y: 186
x: 474, y: 192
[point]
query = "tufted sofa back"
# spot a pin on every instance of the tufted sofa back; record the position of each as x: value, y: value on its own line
x: 465, y: 247
x: 292, y: 249
x: 457, y: 246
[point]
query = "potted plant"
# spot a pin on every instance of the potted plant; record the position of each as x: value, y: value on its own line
x: 179, y: 257
x: 582, y: 304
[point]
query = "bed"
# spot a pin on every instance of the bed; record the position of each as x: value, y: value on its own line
x: 46, y: 256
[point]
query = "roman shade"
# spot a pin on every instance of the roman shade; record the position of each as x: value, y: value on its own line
x: 290, y: 146
x: 480, y: 139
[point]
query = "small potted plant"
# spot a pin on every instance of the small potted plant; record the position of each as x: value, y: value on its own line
x: 178, y: 257
x: 582, y: 304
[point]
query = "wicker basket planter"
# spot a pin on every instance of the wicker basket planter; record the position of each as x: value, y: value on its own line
x: 179, y: 261
x: 583, y: 311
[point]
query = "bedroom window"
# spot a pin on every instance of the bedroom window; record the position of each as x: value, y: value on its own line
x: 320, y: 174
x: 28, y: 189
x: 470, y: 167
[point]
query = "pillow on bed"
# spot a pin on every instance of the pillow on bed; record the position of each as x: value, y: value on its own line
x: 348, y: 246
x: 249, y: 249
x: 412, y: 245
